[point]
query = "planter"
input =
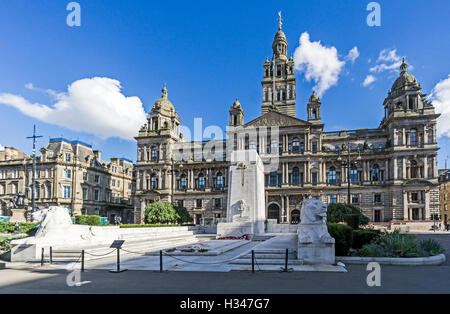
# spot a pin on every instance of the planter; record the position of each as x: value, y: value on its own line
x: 401, y: 261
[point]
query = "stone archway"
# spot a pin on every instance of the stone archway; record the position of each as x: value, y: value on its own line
x: 295, y: 217
x: 274, y: 212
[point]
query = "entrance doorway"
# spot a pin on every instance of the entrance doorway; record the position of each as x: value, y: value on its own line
x: 415, y: 214
x: 295, y: 217
x: 274, y: 212
x: 377, y: 216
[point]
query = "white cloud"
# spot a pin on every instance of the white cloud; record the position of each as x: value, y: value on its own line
x: 94, y: 105
x: 2, y: 148
x: 369, y: 80
x: 388, y: 60
x: 319, y: 63
x: 441, y: 100
x: 353, y: 54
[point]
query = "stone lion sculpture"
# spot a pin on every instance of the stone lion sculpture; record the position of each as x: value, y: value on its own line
x: 313, y: 227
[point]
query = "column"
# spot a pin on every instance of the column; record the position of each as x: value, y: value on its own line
x: 405, y: 206
x: 319, y: 179
x: 304, y: 173
x: 386, y: 170
x: 159, y: 179
x: 404, y: 168
x: 395, y: 168
x: 404, y: 137
x: 288, y: 213
x: 427, y: 205
x: 283, y: 210
x: 425, y: 167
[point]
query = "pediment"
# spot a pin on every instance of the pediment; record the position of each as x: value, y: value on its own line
x: 273, y: 118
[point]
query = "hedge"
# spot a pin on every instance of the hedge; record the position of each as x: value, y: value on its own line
x: 147, y: 226
x: 336, y: 213
x: 343, y: 236
x: 363, y: 237
x: 89, y: 220
x: 353, y: 220
x: 25, y: 227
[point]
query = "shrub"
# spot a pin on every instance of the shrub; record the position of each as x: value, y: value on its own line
x: 431, y: 247
x: 336, y: 213
x: 183, y: 214
x: 372, y: 250
x: 147, y: 226
x: 89, y: 220
x: 343, y: 236
x: 363, y: 237
x: 352, y: 220
x: 161, y: 213
x: 25, y: 227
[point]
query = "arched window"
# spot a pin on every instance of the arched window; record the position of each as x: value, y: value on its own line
x: 375, y: 173
x: 413, y: 137
x: 354, y: 175
x: 332, y: 176
x: 296, y: 145
x: 295, y: 176
x: 219, y: 180
x: 314, y: 114
x: 414, y: 169
x: 183, y: 182
x: 201, y: 181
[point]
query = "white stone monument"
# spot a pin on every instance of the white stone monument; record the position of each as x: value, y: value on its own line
x: 246, y: 209
x: 315, y: 245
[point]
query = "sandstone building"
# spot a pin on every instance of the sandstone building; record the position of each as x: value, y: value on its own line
x: 444, y: 185
x: 69, y: 174
x: 392, y: 170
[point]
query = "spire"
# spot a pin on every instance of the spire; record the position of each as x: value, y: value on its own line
x: 404, y: 67
x: 280, y: 21
x: 164, y: 91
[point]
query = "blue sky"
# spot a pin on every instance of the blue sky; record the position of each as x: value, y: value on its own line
x: 208, y: 53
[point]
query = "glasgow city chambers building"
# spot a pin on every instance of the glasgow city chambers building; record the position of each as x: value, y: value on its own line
x: 390, y: 172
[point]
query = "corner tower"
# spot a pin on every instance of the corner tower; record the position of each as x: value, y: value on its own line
x: 279, y: 80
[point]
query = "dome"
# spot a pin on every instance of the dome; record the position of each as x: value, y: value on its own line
x: 236, y: 105
x: 314, y: 98
x: 280, y: 36
x: 405, y: 79
x: 164, y: 102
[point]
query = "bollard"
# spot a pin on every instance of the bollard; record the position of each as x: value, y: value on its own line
x: 253, y: 261
x: 286, y: 261
x: 118, y: 260
x: 82, y: 260
x: 51, y: 255
x: 42, y: 257
x: 160, y: 261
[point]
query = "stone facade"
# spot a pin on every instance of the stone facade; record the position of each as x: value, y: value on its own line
x: 392, y: 169
x: 444, y: 185
x: 70, y: 172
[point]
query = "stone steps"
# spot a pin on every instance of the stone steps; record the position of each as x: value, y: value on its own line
x: 268, y: 257
x: 266, y: 262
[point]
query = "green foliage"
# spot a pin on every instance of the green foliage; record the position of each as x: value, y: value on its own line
x: 89, y: 220
x: 431, y: 247
x: 161, y: 213
x: 147, y: 226
x: 396, y: 244
x: 336, y: 213
x: 352, y: 220
x: 183, y: 214
x: 25, y: 227
x: 5, y: 243
x: 343, y: 236
x: 362, y: 237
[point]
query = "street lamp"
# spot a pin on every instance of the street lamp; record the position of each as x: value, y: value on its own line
x: 349, y: 164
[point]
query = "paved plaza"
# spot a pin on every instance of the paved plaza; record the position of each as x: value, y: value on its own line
x: 394, y: 279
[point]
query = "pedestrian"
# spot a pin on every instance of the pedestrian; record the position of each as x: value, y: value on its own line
x: 16, y: 227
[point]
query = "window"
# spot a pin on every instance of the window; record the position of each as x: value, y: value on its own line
x: 153, y: 182
x: 113, y: 182
x: 295, y: 176
x: 377, y: 198
x: 85, y: 176
x: 333, y: 199
x: 296, y: 145
x: 201, y: 181
x: 154, y: 154
x: 314, y: 147
x: 218, y: 203
x: 414, y: 170
x: 97, y: 179
x: 198, y: 204
x: 67, y: 173
x: 85, y: 194
x: 273, y: 178
x: 413, y: 137
x: 414, y: 196
x: 355, y: 198
x: 180, y: 203
x: 183, y: 182
x: 354, y: 175
x: 332, y: 176
x: 97, y: 195
x: 219, y: 181
x: 314, y: 178
x: 375, y: 173
x: 66, y: 191
x: 67, y: 157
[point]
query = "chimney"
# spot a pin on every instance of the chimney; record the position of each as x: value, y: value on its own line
x: 98, y: 154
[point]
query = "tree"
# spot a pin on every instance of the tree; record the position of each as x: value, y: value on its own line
x: 184, y: 214
x: 338, y: 212
x: 161, y: 213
